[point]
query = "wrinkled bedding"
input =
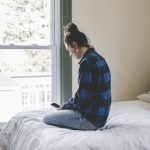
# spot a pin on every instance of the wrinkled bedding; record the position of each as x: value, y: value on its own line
x: 127, y: 128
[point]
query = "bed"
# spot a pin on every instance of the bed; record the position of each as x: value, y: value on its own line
x: 127, y: 128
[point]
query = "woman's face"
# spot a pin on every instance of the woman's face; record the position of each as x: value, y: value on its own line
x: 73, y: 51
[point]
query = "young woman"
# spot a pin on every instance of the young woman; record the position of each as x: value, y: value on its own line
x: 89, y: 108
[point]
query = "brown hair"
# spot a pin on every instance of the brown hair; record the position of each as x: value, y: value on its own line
x: 72, y: 34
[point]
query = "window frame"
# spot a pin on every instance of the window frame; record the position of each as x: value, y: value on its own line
x: 66, y: 60
x: 62, y: 88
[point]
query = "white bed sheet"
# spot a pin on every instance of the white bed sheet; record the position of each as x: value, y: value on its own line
x: 128, y: 128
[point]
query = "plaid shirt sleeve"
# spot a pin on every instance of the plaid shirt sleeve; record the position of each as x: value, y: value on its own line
x: 85, y: 90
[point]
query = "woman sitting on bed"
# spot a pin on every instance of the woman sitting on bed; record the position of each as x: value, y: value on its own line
x: 89, y: 108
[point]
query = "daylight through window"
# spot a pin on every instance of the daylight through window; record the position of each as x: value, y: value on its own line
x: 26, y: 44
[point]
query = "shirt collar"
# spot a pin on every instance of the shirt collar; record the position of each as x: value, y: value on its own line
x: 86, y: 53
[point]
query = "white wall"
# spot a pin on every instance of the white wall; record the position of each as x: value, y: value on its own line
x: 120, y: 31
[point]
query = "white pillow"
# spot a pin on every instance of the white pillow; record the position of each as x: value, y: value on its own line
x: 144, y: 97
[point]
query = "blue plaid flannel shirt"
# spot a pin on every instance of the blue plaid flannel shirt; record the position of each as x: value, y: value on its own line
x: 93, y: 97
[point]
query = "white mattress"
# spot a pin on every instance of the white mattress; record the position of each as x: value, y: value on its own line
x: 128, y: 128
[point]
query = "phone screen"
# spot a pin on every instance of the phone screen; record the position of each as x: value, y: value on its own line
x: 55, y: 105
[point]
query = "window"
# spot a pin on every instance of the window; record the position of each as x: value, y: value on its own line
x: 35, y: 70
x: 27, y: 51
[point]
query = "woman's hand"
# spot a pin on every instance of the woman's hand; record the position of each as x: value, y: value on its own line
x: 59, y: 108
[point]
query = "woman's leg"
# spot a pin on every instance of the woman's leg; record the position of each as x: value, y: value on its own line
x: 68, y: 119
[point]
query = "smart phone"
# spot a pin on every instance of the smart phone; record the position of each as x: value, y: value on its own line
x: 55, y: 105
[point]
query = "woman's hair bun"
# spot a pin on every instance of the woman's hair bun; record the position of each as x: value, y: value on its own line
x: 71, y: 27
x: 73, y: 34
